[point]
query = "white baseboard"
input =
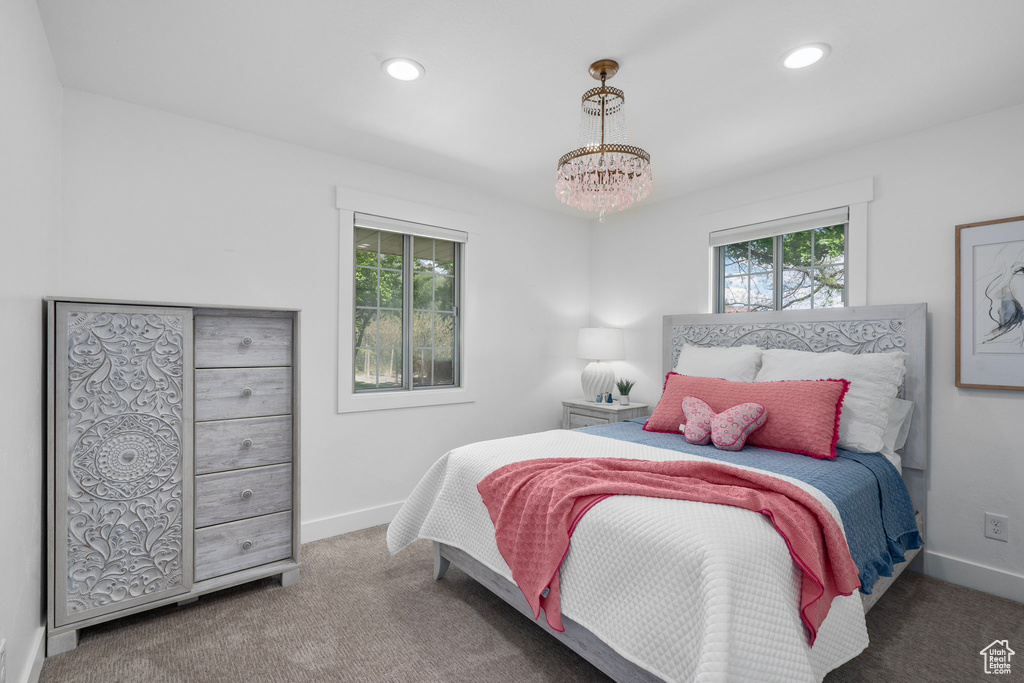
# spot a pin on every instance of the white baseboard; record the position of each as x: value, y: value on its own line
x: 32, y: 675
x: 316, y: 529
x: 972, y: 575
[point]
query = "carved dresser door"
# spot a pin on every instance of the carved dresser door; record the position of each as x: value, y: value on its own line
x: 123, y: 465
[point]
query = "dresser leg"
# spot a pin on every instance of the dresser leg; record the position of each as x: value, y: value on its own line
x: 61, y: 643
x: 289, y: 578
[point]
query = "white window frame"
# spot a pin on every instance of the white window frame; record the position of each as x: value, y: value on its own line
x: 854, y: 194
x: 349, y: 203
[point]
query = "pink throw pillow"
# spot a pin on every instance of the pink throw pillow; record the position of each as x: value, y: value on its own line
x: 803, y: 415
x: 728, y: 430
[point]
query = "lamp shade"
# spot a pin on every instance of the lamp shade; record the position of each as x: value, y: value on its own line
x: 601, y: 343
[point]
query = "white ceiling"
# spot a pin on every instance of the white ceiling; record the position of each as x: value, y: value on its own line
x: 705, y: 93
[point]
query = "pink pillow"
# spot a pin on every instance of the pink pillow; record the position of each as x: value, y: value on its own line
x: 728, y: 430
x: 803, y: 415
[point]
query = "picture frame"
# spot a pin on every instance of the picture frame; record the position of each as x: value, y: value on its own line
x: 990, y: 304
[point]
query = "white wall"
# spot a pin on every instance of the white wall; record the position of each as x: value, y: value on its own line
x: 30, y: 107
x: 925, y: 184
x: 164, y: 208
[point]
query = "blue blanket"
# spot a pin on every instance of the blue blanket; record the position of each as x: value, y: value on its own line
x: 867, y: 490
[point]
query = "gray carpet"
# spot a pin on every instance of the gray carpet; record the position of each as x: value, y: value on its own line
x: 359, y: 615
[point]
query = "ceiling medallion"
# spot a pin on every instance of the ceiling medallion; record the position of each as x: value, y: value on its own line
x: 605, y: 172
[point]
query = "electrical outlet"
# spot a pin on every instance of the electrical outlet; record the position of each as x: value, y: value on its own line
x: 997, y: 527
x: 3, y: 661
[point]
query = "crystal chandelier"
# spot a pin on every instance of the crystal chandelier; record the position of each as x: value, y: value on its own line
x: 605, y: 172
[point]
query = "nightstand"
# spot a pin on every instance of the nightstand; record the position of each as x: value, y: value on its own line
x: 578, y: 413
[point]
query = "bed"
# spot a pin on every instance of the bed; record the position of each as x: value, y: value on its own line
x: 675, y: 590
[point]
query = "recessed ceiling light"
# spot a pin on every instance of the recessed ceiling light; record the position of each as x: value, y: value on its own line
x: 805, y: 55
x: 403, y: 69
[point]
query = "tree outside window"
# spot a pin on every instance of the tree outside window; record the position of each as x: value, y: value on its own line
x: 804, y: 269
x: 406, y: 311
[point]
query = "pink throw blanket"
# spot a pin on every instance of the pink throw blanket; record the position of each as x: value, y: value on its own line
x: 536, y: 504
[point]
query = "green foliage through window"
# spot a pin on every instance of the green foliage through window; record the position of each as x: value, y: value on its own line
x: 798, y: 270
x: 406, y: 311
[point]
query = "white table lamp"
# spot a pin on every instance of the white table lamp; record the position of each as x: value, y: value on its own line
x: 598, y: 344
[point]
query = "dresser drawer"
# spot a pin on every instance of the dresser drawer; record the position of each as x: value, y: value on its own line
x: 576, y: 421
x: 236, y: 342
x: 237, y: 444
x: 231, y: 547
x: 243, y: 392
x: 228, y: 496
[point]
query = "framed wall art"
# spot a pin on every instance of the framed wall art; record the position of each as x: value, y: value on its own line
x: 990, y: 304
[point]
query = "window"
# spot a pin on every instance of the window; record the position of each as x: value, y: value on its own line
x: 393, y: 342
x: 408, y: 279
x: 787, y: 264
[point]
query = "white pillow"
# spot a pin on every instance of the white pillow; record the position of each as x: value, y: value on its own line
x: 874, y: 379
x: 896, y: 431
x: 898, y: 428
x: 734, y: 363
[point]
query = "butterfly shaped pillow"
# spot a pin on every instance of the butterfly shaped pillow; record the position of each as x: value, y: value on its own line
x: 728, y: 430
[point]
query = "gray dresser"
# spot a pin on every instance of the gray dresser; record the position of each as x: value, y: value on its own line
x: 173, y: 456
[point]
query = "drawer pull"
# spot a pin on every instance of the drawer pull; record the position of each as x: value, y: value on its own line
x: 247, y: 392
x: 247, y: 443
x: 247, y: 545
x: 247, y: 494
x: 246, y: 341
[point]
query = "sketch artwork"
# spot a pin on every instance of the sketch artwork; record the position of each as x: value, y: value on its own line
x: 999, y: 297
x: 990, y: 304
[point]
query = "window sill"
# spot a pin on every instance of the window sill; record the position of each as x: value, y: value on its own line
x: 393, y: 400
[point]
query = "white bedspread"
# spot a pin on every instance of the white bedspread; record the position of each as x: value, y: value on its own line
x: 689, y: 591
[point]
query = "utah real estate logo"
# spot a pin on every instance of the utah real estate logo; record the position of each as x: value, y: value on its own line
x: 997, y: 657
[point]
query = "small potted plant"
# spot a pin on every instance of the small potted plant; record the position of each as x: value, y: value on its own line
x: 624, y: 386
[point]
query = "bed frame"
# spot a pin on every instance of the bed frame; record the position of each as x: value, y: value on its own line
x: 863, y: 329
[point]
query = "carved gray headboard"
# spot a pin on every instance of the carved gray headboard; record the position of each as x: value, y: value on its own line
x: 863, y: 329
